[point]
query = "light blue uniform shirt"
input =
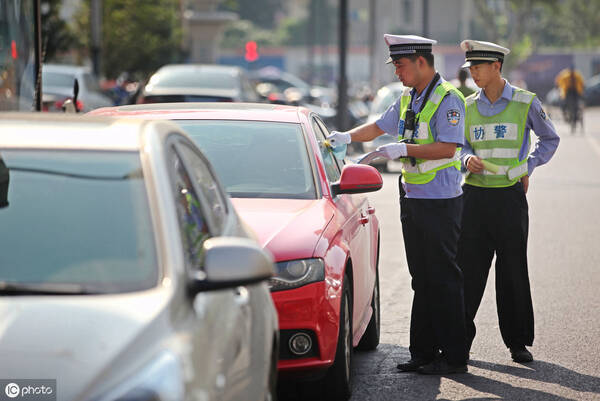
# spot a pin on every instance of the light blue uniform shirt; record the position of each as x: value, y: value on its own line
x: 447, y: 182
x: 537, y: 120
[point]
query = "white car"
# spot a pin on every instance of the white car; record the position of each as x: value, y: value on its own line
x: 125, y: 272
x: 57, y: 86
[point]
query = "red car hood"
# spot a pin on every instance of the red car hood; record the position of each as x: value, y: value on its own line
x: 288, y: 228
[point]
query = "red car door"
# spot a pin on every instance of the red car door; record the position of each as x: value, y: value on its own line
x: 354, y: 216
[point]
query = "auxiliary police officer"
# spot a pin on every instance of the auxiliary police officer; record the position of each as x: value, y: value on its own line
x: 429, y: 118
x: 495, y: 216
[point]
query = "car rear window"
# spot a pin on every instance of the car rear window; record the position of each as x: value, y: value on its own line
x: 256, y: 159
x: 75, y: 217
x: 57, y: 79
x: 195, y: 77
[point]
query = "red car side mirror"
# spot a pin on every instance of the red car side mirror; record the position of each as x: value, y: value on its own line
x: 357, y: 178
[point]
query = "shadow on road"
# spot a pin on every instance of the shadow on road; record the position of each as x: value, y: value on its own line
x: 375, y: 377
x: 539, y: 371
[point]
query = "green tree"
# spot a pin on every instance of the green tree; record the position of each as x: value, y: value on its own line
x: 262, y: 13
x: 525, y: 25
x: 56, y: 35
x: 239, y: 32
x: 137, y: 36
x: 288, y: 32
x: 514, y: 24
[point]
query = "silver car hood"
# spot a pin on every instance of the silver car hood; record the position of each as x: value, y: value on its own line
x: 71, y: 338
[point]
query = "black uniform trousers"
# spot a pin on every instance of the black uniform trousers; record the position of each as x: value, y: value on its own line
x: 431, y: 229
x: 496, y: 221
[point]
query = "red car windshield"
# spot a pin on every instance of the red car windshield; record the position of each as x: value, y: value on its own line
x: 256, y: 159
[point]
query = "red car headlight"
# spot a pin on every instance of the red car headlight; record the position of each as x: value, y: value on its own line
x: 296, y: 273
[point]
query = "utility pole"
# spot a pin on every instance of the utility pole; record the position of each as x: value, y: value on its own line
x: 37, y: 40
x: 342, y: 109
x: 96, y: 28
x: 311, y: 39
x: 426, y: 18
x: 372, y: 43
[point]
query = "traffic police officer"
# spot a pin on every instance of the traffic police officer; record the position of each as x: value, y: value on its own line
x: 430, y: 119
x: 495, y: 216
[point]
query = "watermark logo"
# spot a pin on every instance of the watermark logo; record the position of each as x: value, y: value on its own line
x: 28, y: 389
x: 12, y: 390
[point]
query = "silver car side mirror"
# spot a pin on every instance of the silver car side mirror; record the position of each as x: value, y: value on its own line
x: 231, y: 262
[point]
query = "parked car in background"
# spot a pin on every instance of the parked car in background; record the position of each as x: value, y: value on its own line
x: 309, y: 210
x: 57, y: 86
x: 385, y: 97
x: 591, y: 93
x: 198, y: 83
x: 296, y: 88
x: 125, y: 272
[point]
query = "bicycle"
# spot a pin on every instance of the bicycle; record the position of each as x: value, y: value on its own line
x: 573, y: 110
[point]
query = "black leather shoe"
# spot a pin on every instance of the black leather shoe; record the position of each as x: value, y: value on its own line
x: 412, y: 364
x: 520, y: 354
x: 442, y: 367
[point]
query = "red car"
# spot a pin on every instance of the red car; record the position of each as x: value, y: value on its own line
x: 308, y: 209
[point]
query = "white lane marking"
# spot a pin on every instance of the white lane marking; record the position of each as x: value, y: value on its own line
x: 594, y: 143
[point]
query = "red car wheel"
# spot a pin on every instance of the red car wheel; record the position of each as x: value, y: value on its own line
x: 338, y: 381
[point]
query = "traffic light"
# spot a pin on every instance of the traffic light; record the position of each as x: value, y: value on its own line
x: 251, y: 51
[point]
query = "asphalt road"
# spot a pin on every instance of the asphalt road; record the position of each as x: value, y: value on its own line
x: 564, y: 269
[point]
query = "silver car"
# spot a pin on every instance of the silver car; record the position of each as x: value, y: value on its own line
x: 57, y: 86
x: 125, y: 272
x: 198, y: 83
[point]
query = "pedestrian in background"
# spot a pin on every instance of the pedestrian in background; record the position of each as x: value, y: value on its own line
x: 430, y: 116
x: 462, y: 79
x: 495, y: 217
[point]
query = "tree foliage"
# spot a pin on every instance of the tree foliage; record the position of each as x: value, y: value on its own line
x: 56, y: 35
x: 137, y: 36
x: 238, y: 32
x: 318, y: 27
x: 525, y: 25
x: 262, y: 13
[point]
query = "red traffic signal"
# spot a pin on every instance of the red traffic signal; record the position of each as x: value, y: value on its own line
x: 251, y: 51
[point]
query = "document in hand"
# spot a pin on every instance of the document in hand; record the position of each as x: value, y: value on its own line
x: 369, y: 157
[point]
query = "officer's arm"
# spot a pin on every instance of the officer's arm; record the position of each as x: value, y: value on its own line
x: 466, y: 153
x: 365, y: 132
x: 432, y: 151
x: 547, y: 138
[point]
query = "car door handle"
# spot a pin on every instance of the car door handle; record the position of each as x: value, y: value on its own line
x: 371, y: 210
x: 363, y: 219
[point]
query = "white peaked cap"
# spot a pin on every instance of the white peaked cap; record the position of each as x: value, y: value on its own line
x: 403, y: 45
x: 478, y: 51
x: 406, y: 40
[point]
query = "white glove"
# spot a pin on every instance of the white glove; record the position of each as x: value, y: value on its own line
x: 393, y: 151
x: 337, y: 138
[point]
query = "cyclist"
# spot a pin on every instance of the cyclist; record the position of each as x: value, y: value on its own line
x: 570, y: 83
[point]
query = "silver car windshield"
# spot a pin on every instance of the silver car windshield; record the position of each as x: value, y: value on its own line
x: 75, y: 219
x: 256, y: 159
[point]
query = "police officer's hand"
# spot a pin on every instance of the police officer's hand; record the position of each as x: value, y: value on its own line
x: 525, y: 182
x: 474, y: 164
x: 337, y: 138
x: 393, y: 151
